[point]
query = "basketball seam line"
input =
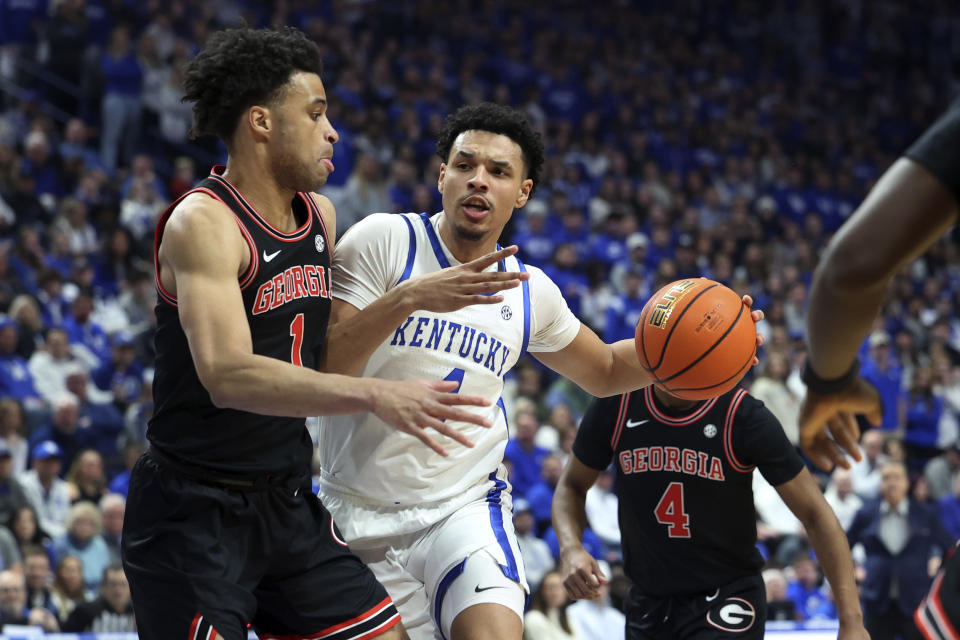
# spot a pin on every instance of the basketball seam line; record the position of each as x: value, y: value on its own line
x: 666, y: 341
x: 708, y: 351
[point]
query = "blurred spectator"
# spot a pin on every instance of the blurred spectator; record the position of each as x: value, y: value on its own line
x: 132, y: 451
x: 805, y: 588
x: 122, y: 375
x: 64, y: 430
x: 26, y: 313
x: 841, y: 497
x: 113, y: 506
x: 949, y: 509
x: 13, y: 604
x: 525, y: 456
x: 120, y: 107
x: 943, y: 470
x: 39, y: 578
x: 85, y: 332
x: 779, y: 606
x: 602, y: 511
x: 85, y: 479
x: 83, y: 540
x: 771, y: 389
x: 900, y: 537
x: 866, y: 473
x: 51, y: 365
x: 73, y: 221
x: 921, y: 411
x: 16, y: 380
x: 12, y: 429
x: 364, y: 193
x: 540, y: 495
x: 547, y: 617
x: 624, y: 311
x: 68, y: 589
x: 882, y: 371
x: 777, y: 526
x: 111, y: 612
x: 537, y: 557
x: 595, y: 619
x: 12, y: 496
x: 47, y: 492
x: 27, y: 532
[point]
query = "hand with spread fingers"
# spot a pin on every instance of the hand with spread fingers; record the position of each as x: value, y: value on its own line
x: 463, y: 285
x: 828, y: 425
x: 413, y: 406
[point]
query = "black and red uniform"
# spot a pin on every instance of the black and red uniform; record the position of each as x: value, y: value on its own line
x: 221, y: 527
x: 686, y: 511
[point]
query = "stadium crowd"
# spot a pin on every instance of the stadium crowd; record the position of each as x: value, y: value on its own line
x: 684, y: 138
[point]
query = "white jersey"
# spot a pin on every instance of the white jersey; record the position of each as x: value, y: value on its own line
x: 363, y: 457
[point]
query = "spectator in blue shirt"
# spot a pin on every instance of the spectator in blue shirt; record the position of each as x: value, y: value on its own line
x: 805, y: 589
x: 524, y: 454
x: 921, y: 410
x: 625, y: 310
x: 15, y: 378
x: 120, y: 108
x: 949, y: 507
x: 882, y: 371
x: 540, y: 495
x: 82, y: 330
x: 533, y: 235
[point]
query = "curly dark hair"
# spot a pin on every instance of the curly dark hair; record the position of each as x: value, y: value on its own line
x: 495, y: 118
x: 239, y: 68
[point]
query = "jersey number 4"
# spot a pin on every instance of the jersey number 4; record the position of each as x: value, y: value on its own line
x: 669, y: 511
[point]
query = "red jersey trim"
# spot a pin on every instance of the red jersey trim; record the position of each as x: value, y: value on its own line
x: 297, y: 234
x: 366, y: 633
x: 728, y: 433
x: 618, y: 425
x: 245, y: 279
x: 675, y: 422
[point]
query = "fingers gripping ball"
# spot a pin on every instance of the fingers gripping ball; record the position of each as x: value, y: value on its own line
x: 696, y: 338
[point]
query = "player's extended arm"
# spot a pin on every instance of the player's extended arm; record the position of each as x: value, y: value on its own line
x: 581, y: 573
x: 807, y: 502
x: 604, y: 369
x: 905, y: 213
x: 200, y: 257
x: 355, y: 334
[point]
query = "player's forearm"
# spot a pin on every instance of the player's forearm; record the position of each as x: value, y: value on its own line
x: 904, y: 214
x: 621, y: 373
x: 833, y: 552
x: 569, y: 516
x: 272, y: 387
x: 352, y: 341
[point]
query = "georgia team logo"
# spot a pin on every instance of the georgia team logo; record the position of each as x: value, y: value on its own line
x: 710, y: 430
x: 735, y: 615
x: 506, y: 312
x: 319, y: 243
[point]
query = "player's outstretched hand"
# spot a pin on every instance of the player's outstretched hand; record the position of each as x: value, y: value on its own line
x: 581, y: 574
x: 757, y: 316
x: 464, y: 285
x: 413, y: 406
x: 823, y: 416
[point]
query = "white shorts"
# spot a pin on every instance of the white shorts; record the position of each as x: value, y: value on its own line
x: 469, y: 557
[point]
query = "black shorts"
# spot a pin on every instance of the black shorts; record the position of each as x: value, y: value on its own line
x: 736, y: 610
x: 938, y: 616
x: 200, y: 556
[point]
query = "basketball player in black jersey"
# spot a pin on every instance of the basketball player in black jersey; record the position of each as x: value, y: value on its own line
x: 221, y: 527
x: 686, y: 513
x: 911, y: 207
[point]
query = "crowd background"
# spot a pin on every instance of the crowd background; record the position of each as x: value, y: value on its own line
x: 684, y: 138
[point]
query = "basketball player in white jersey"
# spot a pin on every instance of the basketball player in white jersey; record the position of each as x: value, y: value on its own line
x: 437, y: 531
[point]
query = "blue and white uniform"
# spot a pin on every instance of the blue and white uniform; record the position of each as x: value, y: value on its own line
x: 417, y: 518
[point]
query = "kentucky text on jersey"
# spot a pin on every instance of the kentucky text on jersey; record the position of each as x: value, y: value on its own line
x: 300, y: 281
x: 436, y: 334
x: 688, y: 461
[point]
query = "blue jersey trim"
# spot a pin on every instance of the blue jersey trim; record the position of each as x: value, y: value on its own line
x: 442, y: 589
x: 526, y: 310
x: 411, y: 252
x: 511, y: 569
x: 434, y: 241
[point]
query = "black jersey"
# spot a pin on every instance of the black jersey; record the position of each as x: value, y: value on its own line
x: 686, y: 510
x: 938, y: 149
x: 286, y: 295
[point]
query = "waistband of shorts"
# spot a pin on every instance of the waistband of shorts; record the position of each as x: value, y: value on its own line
x: 328, y: 486
x: 221, y: 479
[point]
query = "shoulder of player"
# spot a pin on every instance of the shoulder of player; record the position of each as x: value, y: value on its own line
x: 378, y: 227
x: 752, y: 411
x: 328, y: 212
x: 199, y: 220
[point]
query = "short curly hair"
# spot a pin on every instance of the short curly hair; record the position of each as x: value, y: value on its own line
x: 495, y: 118
x: 239, y: 68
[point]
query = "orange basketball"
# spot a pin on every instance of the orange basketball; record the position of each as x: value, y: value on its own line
x: 696, y: 338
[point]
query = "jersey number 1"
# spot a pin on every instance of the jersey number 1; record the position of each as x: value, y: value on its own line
x: 670, y: 512
x: 296, y: 330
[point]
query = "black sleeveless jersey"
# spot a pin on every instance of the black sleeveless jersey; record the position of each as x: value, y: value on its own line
x: 938, y: 149
x: 286, y: 295
x: 684, y: 482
